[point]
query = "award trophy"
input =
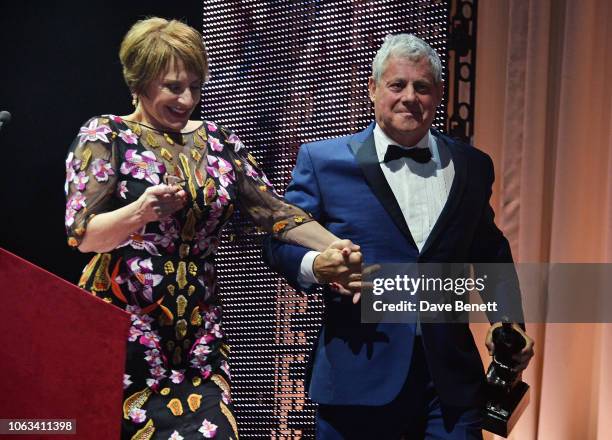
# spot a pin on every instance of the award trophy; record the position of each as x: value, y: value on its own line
x: 507, y: 394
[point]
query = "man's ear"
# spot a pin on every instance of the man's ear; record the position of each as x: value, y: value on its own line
x: 372, y: 88
x: 440, y: 92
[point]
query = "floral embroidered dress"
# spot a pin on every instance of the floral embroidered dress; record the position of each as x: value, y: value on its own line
x: 176, y: 379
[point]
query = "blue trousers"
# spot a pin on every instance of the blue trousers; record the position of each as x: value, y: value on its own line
x: 415, y: 414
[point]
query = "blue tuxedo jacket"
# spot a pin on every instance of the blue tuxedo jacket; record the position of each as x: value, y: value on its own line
x: 340, y: 182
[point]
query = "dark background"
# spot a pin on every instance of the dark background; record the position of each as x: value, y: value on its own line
x: 59, y: 66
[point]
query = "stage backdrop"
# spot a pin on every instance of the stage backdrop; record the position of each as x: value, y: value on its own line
x: 285, y: 73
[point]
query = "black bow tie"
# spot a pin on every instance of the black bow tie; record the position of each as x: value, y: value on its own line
x: 420, y: 155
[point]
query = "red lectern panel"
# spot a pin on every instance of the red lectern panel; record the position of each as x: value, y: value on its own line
x: 62, y: 352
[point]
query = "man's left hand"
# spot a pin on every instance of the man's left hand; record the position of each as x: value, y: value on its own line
x: 522, y: 357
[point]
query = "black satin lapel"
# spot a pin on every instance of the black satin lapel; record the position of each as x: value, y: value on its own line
x: 454, y: 196
x: 365, y: 153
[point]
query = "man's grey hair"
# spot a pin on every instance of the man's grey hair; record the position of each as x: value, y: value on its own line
x: 406, y: 46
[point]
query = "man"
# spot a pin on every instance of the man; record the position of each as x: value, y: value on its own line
x: 405, y: 193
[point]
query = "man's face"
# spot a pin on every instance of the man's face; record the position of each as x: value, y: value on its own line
x: 405, y: 99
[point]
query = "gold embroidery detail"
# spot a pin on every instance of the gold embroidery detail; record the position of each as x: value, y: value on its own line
x: 88, y: 270
x: 193, y: 269
x: 169, y: 267
x: 238, y: 163
x: 201, y: 138
x: 151, y: 139
x: 210, y: 191
x: 191, y: 290
x: 196, y: 155
x: 188, y: 230
x: 145, y: 433
x: 252, y: 159
x: 168, y: 139
x: 263, y: 188
x: 175, y: 407
x: 184, y: 250
x: 177, y: 356
x: 135, y: 401
x: 196, y: 318
x: 181, y: 275
x: 104, y: 120
x: 171, y: 288
x: 194, y: 401
x: 166, y: 154
x: 102, y: 278
x: 225, y: 350
x: 298, y: 219
x: 190, y: 185
x: 136, y: 129
x: 107, y: 299
x: 165, y: 391
x: 196, y: 381
x: 180, y: 329
x: 222, y: 383
x: 227, y: 413
x: 181, y: 305
x: 86, y: 158
x: 279, y: 226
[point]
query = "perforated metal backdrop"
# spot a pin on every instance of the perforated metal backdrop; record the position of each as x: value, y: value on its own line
x: 284, y: 73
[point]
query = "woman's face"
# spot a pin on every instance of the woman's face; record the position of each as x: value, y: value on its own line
x: 169, y: 100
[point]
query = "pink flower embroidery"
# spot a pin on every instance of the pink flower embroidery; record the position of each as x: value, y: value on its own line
x: 80, y: 180
x: 175, y: 436
x: 122, y: 189
x: 93, y: 133
x: 142, y: 166
x: 126, y: 381
x: 128, y: 136
x: 72, y: 165
x: 177, y: 376
x: 211, y: 126
x: 215, y: 144
x: 170, y: 234
x: 101, y: 169
x: 250, y: 171
x: 238, y: 145
x: 142, y: 240
x: 208, y: 429
x: 75, y: 203
x: 117, y: 119
x: 220, y: 168
x: 138, y: 415
x: 226, y: 369
x: 143, y: 279
x: 224, y: 196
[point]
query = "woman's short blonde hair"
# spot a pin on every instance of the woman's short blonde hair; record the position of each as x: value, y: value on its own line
x: 150, y: 47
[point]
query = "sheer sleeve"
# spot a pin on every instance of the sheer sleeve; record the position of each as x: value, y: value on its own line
x: 91, y: 176
x: 257, y: 197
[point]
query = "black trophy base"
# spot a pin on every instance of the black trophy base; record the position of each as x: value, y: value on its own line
x: 501, y: 416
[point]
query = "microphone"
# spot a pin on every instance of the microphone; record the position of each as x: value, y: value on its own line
x: 5, y: 118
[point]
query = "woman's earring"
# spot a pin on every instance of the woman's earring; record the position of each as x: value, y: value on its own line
x: 135, y: 100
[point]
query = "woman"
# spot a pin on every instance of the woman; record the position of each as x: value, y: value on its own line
x: 149, y: 193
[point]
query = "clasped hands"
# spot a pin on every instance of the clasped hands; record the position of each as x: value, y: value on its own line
x: 340, y: 265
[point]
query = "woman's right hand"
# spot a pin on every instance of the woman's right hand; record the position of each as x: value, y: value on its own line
x: 160, y: 201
